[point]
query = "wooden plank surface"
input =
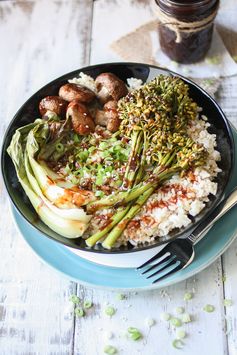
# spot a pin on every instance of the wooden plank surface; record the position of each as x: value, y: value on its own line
x: 44, y: 40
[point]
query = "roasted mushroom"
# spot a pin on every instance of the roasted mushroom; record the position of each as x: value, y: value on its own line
x: 54, y: 104
x: 108, y: 116
x: 110, y: 87
x: 82, y: 122
x: 70, y: 92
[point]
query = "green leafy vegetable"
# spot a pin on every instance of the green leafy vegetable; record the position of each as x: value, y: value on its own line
x: 41, y: 189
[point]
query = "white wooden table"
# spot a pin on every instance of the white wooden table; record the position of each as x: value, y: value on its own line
x: 40, y: 40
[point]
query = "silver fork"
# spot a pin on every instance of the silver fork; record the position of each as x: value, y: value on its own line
x: 180, y: 253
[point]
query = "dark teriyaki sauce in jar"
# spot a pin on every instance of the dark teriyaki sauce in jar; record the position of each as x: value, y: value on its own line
x: 186, y: 27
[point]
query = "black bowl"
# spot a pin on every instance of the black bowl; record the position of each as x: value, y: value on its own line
x: 29, y: 111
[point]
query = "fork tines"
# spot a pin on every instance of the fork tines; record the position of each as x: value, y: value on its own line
x: 162, y: 267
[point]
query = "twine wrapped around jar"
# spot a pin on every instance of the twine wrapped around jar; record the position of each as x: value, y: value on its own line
x: 180, y: 27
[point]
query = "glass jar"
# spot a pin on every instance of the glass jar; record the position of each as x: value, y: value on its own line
x: 185, y: 28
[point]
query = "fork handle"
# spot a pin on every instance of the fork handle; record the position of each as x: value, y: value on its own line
x: 200, y: 231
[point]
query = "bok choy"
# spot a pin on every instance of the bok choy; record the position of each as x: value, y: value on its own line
x: 58, y: 207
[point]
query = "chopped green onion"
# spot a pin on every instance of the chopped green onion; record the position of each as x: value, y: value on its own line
x: 186, y: 318
x: 165, y: 316
x: 83, y: 155
x: 79, y: 312
x: 118, y: 183
x: 134, y: 333
x: 91, y: 149
x: 179, y: 310
x: 59, y: 147
x: 76, y: 138
x: 209, y: 308
x: 188, y: 296
x: 103, y: 145
x: 99, y: 193
x: 180, y: 334
x: 87, y: 304
x: 176, y: 322
x: 228, y: 302
x: 74, y: 299
x: 99, y: 179
x: 110, y: 311
x: 109, y: 349
x: 177, y: 343
x: 150, y: 322
x: 120, y: 296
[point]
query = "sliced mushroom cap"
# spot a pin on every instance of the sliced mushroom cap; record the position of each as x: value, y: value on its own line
x: 82, y: 122
x: 108, y: 116
x: 101, y: 118
x: 70, y: 92
x: 54, y: 104
x: 110, y: 87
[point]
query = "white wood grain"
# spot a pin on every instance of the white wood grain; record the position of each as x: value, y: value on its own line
x: 228, y: 101
x: 133, y: 312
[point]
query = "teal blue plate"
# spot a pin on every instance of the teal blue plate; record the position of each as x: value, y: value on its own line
x: 85, y: 272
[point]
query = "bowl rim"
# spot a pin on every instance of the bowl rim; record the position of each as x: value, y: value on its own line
x: 95, y: 66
